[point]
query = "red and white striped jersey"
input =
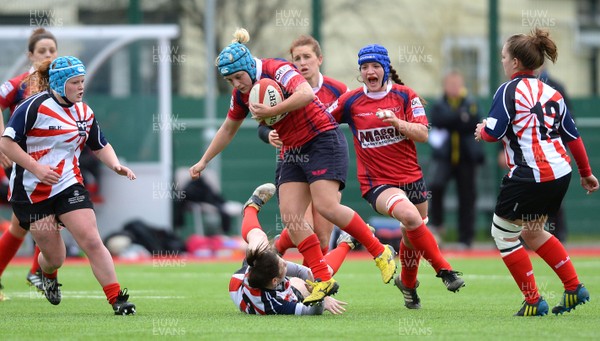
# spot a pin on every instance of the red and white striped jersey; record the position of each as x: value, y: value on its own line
x: 383, y: 155
x: 533, y: 122
x: 53, y: 134
x: 283, y: 300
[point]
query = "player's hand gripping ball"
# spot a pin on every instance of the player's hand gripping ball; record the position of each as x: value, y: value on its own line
x: 267, y: 91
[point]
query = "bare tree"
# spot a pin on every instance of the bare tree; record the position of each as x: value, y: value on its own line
x: 251, y: 15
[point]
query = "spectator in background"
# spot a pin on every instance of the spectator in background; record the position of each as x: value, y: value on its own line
x: 455, y: 155
x: 199, y: 191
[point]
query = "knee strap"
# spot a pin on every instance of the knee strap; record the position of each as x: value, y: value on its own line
x: 393, y: 201
x: 502, y: 230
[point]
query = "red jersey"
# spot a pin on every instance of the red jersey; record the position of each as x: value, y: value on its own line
x: 13, y: 91
x: 299, y: 126
x: 329, y: 90
x: 383, y: 155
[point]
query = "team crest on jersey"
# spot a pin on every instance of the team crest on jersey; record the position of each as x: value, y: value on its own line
x: 417, y: 107
x: 82, y: 127
x: 379, y: 137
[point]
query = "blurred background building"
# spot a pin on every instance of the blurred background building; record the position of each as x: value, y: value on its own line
x: 425, y: 40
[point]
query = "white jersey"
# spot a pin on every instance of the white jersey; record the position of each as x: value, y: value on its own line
x: 533, y: 122
x: 53, y: 134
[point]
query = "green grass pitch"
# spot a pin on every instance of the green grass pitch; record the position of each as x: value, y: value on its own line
x: 189, y: 300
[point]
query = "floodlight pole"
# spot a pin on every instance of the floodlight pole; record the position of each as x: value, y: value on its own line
x: 210, y: 110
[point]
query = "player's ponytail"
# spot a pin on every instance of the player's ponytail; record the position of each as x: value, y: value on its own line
x: 396, y: 79
x: 241, y: 36
x: 394, y: 76
x: 39, y: 80
x: 531, y: 49
x: 541, y: 38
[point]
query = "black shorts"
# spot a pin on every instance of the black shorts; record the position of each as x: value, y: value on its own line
x: 73, y: 198
x: 325, y: 157
x: 530, y: 200
x: 416, y: 192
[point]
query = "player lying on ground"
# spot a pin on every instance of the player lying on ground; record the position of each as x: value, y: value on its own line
x: 267, y: 284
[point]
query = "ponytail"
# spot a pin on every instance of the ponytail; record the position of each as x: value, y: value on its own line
x: 396, y: 78
x: 531, y: 49
x: 39, y: 80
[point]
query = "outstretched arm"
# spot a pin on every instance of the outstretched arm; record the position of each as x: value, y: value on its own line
x: 223, y: 137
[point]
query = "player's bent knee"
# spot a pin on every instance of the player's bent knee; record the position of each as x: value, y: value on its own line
x: 506, y: 235
x: 392, y: 201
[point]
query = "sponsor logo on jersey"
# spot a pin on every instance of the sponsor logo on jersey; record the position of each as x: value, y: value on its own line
x: 417, y: 107
x: 82, y: 127
x: 284, y: 74
x: 379, y: 137
x: 6, y: 88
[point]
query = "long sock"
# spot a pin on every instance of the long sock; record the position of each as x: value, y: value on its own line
x: 409, y: 260
x: 111, y: 291
x: 336, y: 257
x: 324, y: 251
x: 555, y: 255
x: 284, y: 242
x: 358, y: 229
x: 423, y: 241
x: 249, y: 221
x: 520, y: 267
x: 310, y: 250
x: 9, y: 245
x: 35, y: 265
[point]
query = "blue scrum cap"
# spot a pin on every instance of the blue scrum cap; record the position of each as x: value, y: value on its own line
x: 61, y: 70
x: 236, y: 57
x: 378, y: 54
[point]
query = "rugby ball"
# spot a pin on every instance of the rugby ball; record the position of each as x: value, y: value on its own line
x: 267, y: 91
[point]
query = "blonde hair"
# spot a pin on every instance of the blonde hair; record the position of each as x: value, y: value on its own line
x: 241, y: 36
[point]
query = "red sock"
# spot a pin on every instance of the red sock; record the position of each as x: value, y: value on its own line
x: 50, y: 276
x: 310, y: 250
x: 9, y: 245
x: 36, y: 263
x: 284, y: 242
x: 358, y: 229
x: 336, y: 257
x: 409, y: 260
x: 424, y: 242
x: 112, y: 291
x: 249, y: 221
x: 555, y: 255
x: 520, y: 267
x: 323, y: 251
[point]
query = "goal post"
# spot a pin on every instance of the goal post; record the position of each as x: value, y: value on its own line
x: 99, y: 47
